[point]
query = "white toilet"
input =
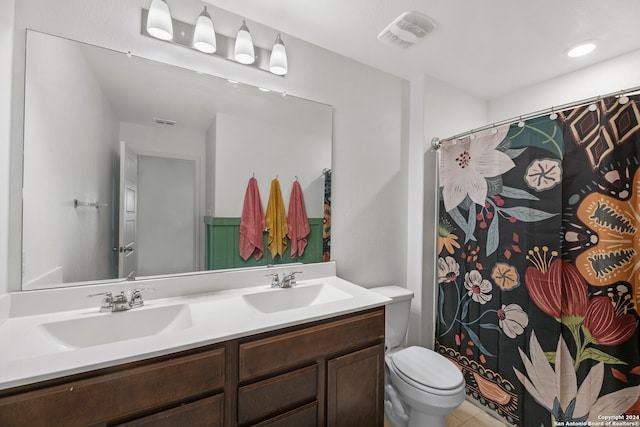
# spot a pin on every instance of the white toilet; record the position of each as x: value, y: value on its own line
x: 421, y: 386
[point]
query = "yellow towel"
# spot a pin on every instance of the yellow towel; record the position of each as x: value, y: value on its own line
x: 276, y: 221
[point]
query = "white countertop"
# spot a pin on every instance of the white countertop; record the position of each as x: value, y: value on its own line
x: 30, y: 354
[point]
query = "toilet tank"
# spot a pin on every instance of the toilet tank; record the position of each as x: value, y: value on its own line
x: 396, y: 314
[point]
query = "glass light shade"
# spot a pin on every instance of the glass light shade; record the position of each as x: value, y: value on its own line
x: 278, y: 63
x: 159, y: 20
x: 204, y: 36
x: 243, y: 51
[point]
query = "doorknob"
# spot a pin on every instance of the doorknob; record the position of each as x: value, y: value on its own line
x: 122, y: 249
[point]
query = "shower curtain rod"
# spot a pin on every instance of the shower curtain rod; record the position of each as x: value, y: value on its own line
x: 436, y: 142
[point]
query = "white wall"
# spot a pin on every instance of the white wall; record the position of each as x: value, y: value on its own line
x: 267, y: 151
x: 6, y: 63
x: 414, y: 114
x: 369, y: 223
x: 210, y: 155
x: 606, y: 77
x: 59, y: 239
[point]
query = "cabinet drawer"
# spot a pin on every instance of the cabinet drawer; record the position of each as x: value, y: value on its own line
x: 305, y: 416
x: 276, y: 353
x: 117, y: 394
x: 207, y: 412
x: 277, y: 394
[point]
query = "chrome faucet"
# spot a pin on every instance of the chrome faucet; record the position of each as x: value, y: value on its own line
x: 107, y: 301
x: 289, y: 280
x: 275, y: 280
x: 121, y: 302
x: 136, y: 297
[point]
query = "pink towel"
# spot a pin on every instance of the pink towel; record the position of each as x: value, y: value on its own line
x: 297, y: 221
x: 252, y: 223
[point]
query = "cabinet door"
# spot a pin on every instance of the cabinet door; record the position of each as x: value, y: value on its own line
x: 355, y: 384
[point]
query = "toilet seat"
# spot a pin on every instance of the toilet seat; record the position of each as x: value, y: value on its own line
x: 426, y: 370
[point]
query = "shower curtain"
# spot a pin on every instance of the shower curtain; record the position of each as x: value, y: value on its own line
x: 539, y: 266
x: 326, y: 218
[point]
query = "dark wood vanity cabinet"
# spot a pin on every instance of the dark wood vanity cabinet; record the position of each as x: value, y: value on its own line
x: 333, y: 369
x: 115, y: 396
x: 327, y: 373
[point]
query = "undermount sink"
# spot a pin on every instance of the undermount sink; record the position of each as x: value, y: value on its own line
x: 107, y: 328
x: 281, y: 299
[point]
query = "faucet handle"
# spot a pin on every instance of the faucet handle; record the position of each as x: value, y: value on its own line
x: 139, y: 290
x: 275, y: 280
x: 293, y: 273
x: 107, y: 294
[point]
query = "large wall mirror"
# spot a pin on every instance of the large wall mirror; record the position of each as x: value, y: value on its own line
x: 110, y: 136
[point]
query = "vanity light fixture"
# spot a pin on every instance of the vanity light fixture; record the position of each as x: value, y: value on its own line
x: 243, y: 51
x: 278, y: 63
x: 159, y: 23
x: 204, y: 36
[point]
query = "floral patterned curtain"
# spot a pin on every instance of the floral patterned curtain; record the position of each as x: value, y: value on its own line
x: 326, y: 218
x: 539, y: 266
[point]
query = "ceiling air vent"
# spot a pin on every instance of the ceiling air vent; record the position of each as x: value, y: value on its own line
x: 407, y: 29
x: 166, y: 122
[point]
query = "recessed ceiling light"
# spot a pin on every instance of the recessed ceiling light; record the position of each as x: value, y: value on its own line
x: 581, y: 49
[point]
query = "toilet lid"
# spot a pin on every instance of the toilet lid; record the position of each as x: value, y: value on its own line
x: 428, y: 368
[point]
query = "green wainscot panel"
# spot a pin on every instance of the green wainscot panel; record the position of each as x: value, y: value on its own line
x: 222, y: 245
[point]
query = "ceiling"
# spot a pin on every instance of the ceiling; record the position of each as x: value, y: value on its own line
x: 486, y: 47
x: 137, y: 91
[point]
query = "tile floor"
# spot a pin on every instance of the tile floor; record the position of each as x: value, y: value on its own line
x: 468, y: 415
